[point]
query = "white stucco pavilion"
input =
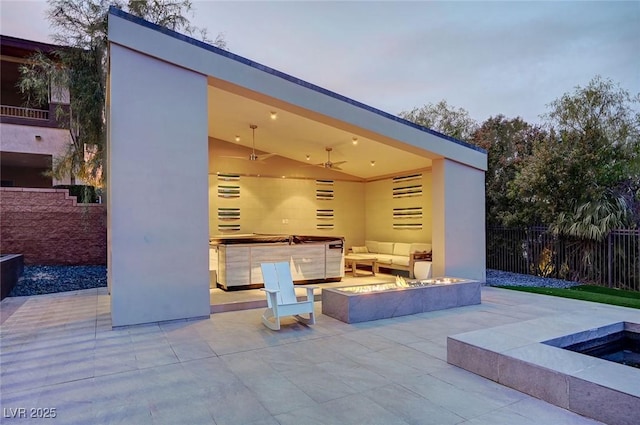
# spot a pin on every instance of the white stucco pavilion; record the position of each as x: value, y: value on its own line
x: 162, y: 88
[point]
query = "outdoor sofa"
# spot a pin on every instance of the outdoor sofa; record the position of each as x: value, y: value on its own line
x: 395, y: 255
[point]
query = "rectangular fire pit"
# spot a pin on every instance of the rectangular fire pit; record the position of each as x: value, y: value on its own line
x: 363, y: 303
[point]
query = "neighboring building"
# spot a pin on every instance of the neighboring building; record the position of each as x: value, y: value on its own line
x: 44, y: 224
x: 29, y: 138
x: 182, y: 168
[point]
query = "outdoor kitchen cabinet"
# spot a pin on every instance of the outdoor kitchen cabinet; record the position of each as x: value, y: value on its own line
x: 238, y: 259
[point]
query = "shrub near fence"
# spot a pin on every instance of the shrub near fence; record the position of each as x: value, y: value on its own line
x: 613, y: 262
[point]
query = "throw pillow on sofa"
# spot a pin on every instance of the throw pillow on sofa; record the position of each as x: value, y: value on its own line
x: 372, y: 246
x: 359, y: 250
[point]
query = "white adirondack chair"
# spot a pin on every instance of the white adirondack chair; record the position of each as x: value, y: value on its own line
x: 281, y: 296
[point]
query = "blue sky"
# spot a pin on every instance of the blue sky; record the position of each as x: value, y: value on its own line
x: 510, y: 58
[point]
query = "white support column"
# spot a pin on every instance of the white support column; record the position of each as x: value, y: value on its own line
x: 157, y: 190
x: 458, y: 220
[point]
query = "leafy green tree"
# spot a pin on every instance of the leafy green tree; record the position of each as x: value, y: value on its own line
x: 444, y: 118
x: 582, y: 179
x: 509, y: 144
x: 79, y: 66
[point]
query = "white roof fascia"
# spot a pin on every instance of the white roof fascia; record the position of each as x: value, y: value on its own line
x: 178, y: 49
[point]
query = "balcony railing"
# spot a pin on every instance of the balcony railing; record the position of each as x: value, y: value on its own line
x: 18, y: 112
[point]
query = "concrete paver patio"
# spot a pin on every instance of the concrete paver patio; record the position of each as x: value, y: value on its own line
x: 59, y: 352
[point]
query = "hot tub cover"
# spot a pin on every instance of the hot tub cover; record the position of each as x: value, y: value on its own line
x: 255, y: 238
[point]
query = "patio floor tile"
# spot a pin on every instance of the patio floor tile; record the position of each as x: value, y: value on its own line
x: 59, y: 351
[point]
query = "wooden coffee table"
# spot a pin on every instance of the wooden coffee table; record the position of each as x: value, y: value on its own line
x: 352, y: 261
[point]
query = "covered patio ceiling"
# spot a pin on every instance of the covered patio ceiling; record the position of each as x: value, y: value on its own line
x: 297, y: 133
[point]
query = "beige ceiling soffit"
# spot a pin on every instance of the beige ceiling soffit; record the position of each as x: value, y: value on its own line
x: 278, y: 164
x: 333, y: 122
x: 236, y: 146
x: 279, y: 177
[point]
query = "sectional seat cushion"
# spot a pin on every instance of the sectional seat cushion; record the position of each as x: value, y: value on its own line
x: 400, y: 260
x: 385, y: 248
x: 402, y: 249
x: 359, y: 249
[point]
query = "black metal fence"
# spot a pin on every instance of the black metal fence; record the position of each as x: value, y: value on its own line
x: 613, y: 262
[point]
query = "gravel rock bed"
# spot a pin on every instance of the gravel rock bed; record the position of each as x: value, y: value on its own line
x: 500, y: 278
x: 37, y: 280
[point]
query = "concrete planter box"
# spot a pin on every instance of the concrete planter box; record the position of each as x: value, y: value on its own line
x: 381, y: 301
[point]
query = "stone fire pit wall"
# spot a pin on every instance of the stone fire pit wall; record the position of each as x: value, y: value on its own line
x: 351, y: 307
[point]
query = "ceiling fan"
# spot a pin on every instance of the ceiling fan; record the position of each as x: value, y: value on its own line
x: 329, y: 164
x: 253, y: 156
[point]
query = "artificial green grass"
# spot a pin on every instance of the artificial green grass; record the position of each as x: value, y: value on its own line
x: 607, y: 291
x: 597, y: 294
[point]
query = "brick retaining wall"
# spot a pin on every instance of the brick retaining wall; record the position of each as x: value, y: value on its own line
x: 49, y: 227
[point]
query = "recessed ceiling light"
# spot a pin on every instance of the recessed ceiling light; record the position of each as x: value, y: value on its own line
x: 373, y: 163
x: 237, y: 138
x: 274, y: 115
x: 308, y: 157
x: 354, y: 141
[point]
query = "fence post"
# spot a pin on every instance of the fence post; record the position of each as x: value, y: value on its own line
x: 560, y: 247
x: 609, y: 260
x: 529, y: 232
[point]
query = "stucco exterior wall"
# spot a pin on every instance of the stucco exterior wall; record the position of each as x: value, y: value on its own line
x: 458, y: 221
x: 379, y: 208
x: 22, y: 139
x: 157, y: 190
x: 289, y: 206
x: 362, y: 210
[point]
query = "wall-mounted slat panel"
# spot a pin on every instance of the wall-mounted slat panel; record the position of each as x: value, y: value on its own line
x: 410, y: 226
x: 228, y: 213
x: 228, y: 191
